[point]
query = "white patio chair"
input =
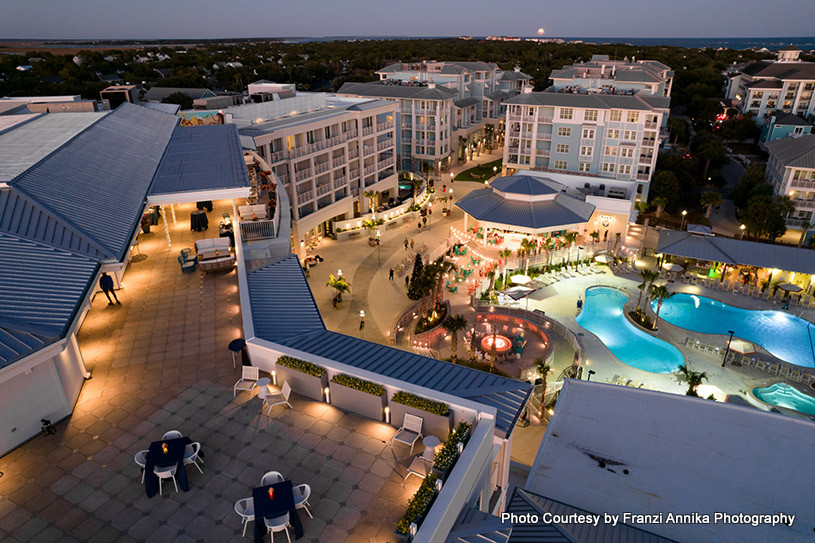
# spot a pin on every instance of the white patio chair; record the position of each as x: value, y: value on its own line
x: 248, y: 380
x: 301, y: 494
x: 410, y: 432
x: 421, y: 466
x: 172, y: 434
x: 166, y: 472
x: 141, y: 461
x: 271, y: 478
x: 278, y: 524
x: 278, y: 398
x: 191, y: 455
x: 246, y: 509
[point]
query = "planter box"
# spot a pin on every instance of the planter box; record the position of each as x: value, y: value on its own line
x: 357, y: 401
x: 432, y: 425
x: 301, y: 383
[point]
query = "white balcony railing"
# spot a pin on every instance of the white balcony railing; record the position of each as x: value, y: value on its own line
x: 642, y: 177
x: 305, y: 196
x: 303, y: 174
x: 385, y: 126
x: 368, y: 150
x: 340, y: 181
x: 259, y: 229
x: 337, y: 162
x: 800, y: 184
x: 370, y: 169
x: 322, y: 189
x: 353, y: 153
x: 384, y: 145
x: 368, y: 130
x: 650, y: 125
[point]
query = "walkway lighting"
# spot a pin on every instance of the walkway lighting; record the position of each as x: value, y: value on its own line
x: 727, y: 351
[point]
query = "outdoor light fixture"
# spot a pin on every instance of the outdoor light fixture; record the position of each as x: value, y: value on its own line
x: 327, y: 395
x: 387, y: 415
x: 339, y: 273
x: 274, y: 377
x: 682, y: 225
x: 742, y: 227
x: 727, y: 351
x: 591, y: 372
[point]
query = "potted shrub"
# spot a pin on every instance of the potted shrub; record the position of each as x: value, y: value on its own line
x: 358, y: 396
x: 448, y: 454
x: 303, y: 377
x: 417, y: 507
x: 436, y: 416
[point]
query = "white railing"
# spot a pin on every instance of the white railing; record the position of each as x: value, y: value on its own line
x: 303, y: 174
x: 355, y: 191
x: 642, y: 177
x: 543, y: 152
x: 383, y: 145
x: 259, y: 229
x: 322, y: 189
x: 545, y: 137
x: 338, y: 161
x: 353, y: 153
x: 801, y: 184
x: 279, y: 155
x: 645, y: 159
x: 340, y: 181
x: 370, y: 169
x: 320, y: 167
x: 367, y: 131
x: 368, y: 150
x: 803, y: 204
x: 385, y: 126
x: 305, y: 196
x: 353, y: 174
x: 387, y: 162
x: 651, y: 125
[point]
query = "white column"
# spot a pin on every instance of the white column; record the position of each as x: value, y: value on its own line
x: 166, y: 229
x: 172, y: 209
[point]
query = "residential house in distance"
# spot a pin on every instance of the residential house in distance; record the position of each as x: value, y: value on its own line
x: 786, y: 84
x: 424, y: 120
x: 600, y: 73
x: 327, y: 151
x: 791, y: 172
x: 782, y: 125
x: 607, y: 136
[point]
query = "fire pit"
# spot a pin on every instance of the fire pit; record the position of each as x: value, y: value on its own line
x: 502, y: 344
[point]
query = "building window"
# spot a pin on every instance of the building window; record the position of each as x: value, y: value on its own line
x: 627, y: 152
x: 588, y: 133
x: 608, y: 167
x: 566, y: 113
x: 633, y: 117
x: 586, y: 150
x: 611, y: 150
x: 584, y: 166
x: 564, y: 131
x: 625, y: 169
x: 560, y: 165
x: 590, y: 115
x: 630, y: 135
x: 613, y: 134
x: 616, y: 114
x: 562, y: 148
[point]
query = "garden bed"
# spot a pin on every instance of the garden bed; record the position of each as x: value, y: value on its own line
x: 358, y: 396
x: 436, y: 416
x: 303, y: 377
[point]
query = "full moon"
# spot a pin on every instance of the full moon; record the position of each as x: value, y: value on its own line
x: 540, y: 31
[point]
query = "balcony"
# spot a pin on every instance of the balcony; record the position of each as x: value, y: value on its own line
x: 256, y: 230
x: 367, y: 150
x: 650, y: 125
x: 546, y: 119
x: 339, y: 161
x: 353, y: 174
x: 305, y: 196
x: 322, y: 189
x: 643, y: 176
x: 387, y: 162
x: 648, y: 142
x: 284, y: 177
x: 278, y: 156
x: 355, y: 192
x: 540, y: 152
x: 370, y: 169
x: 384, y: 145
x: 801, y: 204
x: 340, y: 181
x: 645, y: 159
x: 303, y: 174
x: 353, y: 153
x: 522, y: 118
x: 321, y: 167
x: 545, y: 137
x: 800, y: 184
x: 368, y: 130
x: 385, y: 126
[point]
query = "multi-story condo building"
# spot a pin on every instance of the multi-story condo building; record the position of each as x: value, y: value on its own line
x: 599, y: 135
x: 480, y: 91
x: 424, y: 119
x: 601, y: 74
x: 791, y: 171
x: 327, y: 151
x: 786, y: 84
x: 783, y: 125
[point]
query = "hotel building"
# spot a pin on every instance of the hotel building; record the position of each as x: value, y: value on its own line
x: 791, y: 171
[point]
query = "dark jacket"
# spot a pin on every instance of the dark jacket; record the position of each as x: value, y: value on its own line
x: 106, y: 282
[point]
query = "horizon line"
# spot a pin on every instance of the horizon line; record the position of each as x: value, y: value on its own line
x: 391, y: 36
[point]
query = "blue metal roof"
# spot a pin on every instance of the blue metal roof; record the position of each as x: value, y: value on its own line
x: 282, y: 304
x: 201, y: 158
x: 526, y: 185
x: 562, y: 211
x: 169, y: 109
x: 40, y: 290
x: 98, y: 180
x: 284, y: 312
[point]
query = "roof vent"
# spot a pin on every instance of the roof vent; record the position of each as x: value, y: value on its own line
x: 527, y: 89
x: 431, y: 85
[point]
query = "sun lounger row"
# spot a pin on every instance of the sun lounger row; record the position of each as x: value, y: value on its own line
x: 623, y: 381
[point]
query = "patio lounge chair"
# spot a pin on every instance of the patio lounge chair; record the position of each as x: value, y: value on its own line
x: 248, y: 380
x: 246, y: 509
x: 410, y: 432
x: 278, y: 398
x: 271, y: 477
x: 278, y: 524
x: 422, y: 465
x: 774, y: 368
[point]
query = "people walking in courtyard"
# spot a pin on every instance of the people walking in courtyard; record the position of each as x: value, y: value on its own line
x: 390, y: 274
x: 411, y: 244
x: 406, y: 244
x: 106, y: 284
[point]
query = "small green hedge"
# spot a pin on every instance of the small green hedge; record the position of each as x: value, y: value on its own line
x: 448, y: 454
x: 302, y: 366
x: 358, y: 384
x: 411, y: 400
x: 418, y: 504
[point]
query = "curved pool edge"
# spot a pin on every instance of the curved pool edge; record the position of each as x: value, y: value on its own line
x: 780, y: 408
x: 634, y: 326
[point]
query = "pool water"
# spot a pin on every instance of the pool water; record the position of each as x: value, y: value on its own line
x: 783, y: 395
x: 783, y: 335
x: 603, y: 316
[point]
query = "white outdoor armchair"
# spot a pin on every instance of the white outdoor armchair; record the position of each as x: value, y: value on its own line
x: 248, y: 380
x: 301, y: 495
x: 278, y: 524
x: 246, y: 509
x: 191, y: 455
x: 271, y: 478
x: 410, y: 432
x: 172, y: 434
x: 141, y: 460
x: 278, y: 398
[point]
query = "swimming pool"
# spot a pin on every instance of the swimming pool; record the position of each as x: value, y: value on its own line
x: 603, y: 316
x: 781, y: 334
x: 783, y: 395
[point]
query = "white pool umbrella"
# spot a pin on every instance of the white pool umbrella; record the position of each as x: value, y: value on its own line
x: 603, y: 259
x: 520, y: 279
x: 789, y: 287
x: 742, y: 347
x: 671, y: 267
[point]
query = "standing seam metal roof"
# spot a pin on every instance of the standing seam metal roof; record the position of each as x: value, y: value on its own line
x: 794, y: 152
x: 201, y: 158
x: 284, y: 312
x: 109, y: 169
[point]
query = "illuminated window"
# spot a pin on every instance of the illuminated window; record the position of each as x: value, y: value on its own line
x: 566, y: 113
x: 590, y: 115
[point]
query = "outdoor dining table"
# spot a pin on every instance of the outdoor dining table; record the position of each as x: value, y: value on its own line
x: 157, y: 457
x: 205, y: 204
x: 198, y: 221
x: 282, y: 503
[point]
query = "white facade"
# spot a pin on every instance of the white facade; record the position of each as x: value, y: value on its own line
x: 613, y: 137
x: 649, y: 76
x: 791, y: 172
x: 327, y: 151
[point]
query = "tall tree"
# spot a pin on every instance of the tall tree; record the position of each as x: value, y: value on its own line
x: 710, y: 200
x: 414, y: 277
x: 659, y: 202
x: 660, y: 293
x: 648, y: 277
x: 691, y: 378
x: 544, y: 368
x: 454, y: 324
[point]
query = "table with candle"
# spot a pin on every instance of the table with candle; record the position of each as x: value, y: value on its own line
x: 167, y: 452
x: 272, y: 501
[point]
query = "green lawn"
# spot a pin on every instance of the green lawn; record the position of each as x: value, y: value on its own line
x: 482, y: 172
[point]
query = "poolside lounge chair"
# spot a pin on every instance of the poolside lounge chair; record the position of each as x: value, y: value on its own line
x: 784, y: 371
x: 774, y: 368
x: 796, y: 374
x: 615, y: 379
x: 806, y: 377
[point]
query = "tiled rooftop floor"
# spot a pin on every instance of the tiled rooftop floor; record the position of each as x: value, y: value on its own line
x: 160, y: 362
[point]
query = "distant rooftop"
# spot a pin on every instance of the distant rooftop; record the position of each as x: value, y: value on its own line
x: 380, y: 90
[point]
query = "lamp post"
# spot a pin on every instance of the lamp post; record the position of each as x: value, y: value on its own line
x: 429, y: 213
x: 378, y: 248
x: 494, y: 171
x: 452, y: 176
x: 742, y: 227
x: 361, y: 321
x: 591, y: 372
x: 684, y: 213
x: 727, y: 351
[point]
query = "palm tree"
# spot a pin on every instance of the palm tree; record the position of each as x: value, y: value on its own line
x: 472, y: 345
x: 648, y: 277
x: 594, y: 237
x: 527, y: 245
x: 543, y: 368
x: 659, y: 202
x: 569, y: 238
x: 660, y: 293
x: 505, y: 254
x: 417, y: 183
x: 454, y: 324
x: 371, y: 196
x: 710, y: 200
x: 691, y: 378
x: 340, y: 285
